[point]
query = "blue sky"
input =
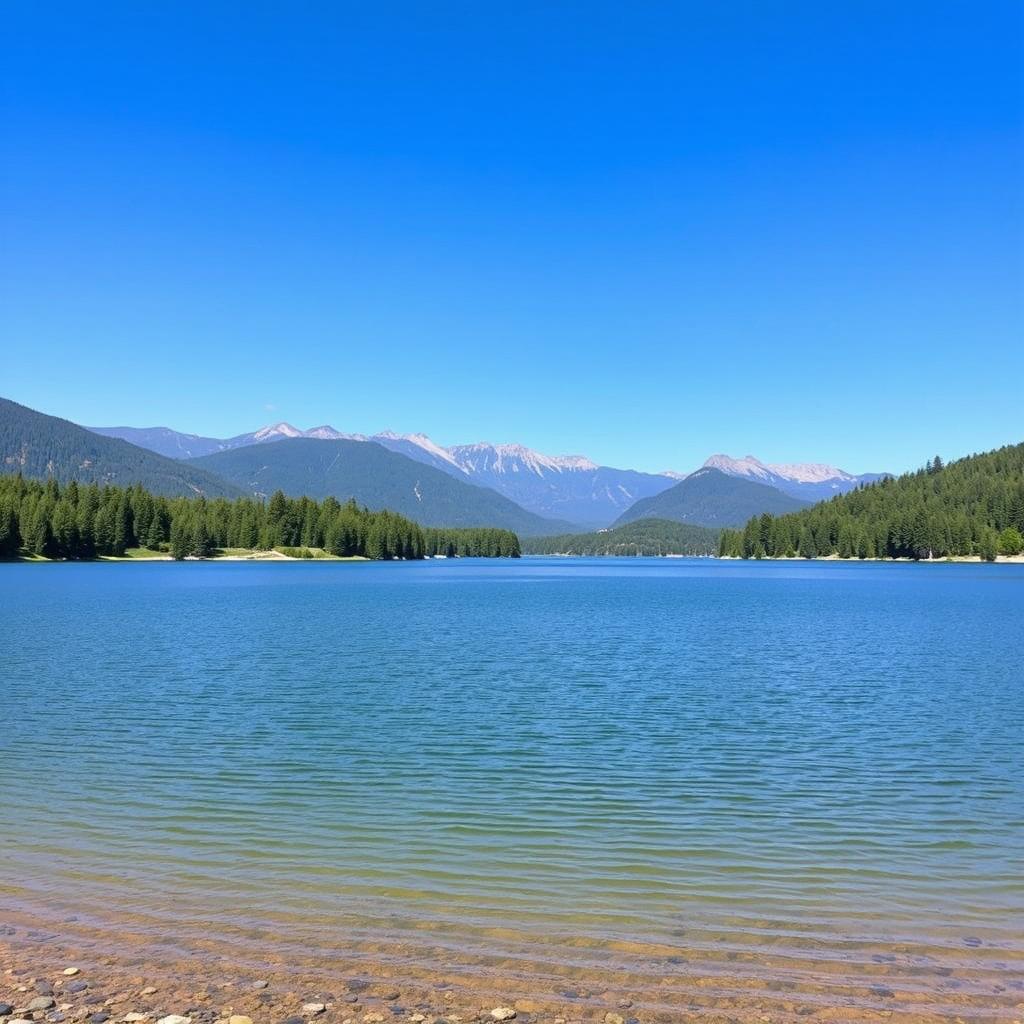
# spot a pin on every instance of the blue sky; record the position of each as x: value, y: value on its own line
x: 642, y: 232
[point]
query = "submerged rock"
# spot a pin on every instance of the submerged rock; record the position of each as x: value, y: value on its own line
x: 503, y: 1013
x: 41, y: 1003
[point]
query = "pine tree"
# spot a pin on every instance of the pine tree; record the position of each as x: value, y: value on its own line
x: 10, y: 536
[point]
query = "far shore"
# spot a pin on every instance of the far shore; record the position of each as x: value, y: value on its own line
x: 256, y: 555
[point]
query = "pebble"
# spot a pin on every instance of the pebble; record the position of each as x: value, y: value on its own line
x: 373, y: 1018
x: 390, y: 995
x: 237, y: 1018
x: 503, y: 1013
x: 174, y: 1018
x: 261, y: 984
x: 613, y: 1018
x: 76, y: 986
x: 6, y: 1009
x: 313, y: 1008
x: 99, y: 1018
x: 148, y: 991
x: 134, y: 1018
x: 41, y: 1003
x: 70, y: 972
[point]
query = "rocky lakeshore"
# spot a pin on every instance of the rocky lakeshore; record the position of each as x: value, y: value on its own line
x: 44, y: 988
x: 108, y: 994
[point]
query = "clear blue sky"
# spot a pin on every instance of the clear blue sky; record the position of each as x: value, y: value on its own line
x: 642, y: 232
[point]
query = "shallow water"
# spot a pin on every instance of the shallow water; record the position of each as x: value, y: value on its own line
x: 688, y: 780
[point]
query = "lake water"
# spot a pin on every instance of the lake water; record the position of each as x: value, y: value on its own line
x: 698, y: 783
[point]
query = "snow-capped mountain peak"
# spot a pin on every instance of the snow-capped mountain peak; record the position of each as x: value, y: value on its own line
x: 277, y: 430
x: 395, y: 441
x: 810, y: 480
x: 328, y: 433
x: 748, y: 466
x: 515, y: 458
x: 809, y: 472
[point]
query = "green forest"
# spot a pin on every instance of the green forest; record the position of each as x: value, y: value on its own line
x: 971, y: 507
x: 643, y: 537
x: 85, y: 521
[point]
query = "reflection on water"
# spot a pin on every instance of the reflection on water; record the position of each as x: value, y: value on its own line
x: 685, y: 780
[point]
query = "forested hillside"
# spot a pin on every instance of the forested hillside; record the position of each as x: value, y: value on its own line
x: 46, y: 447
x: 974, y: 506
x: 88, y: 521
x: 374, y: 477
x: 709, y: 497
x: 644, y: 537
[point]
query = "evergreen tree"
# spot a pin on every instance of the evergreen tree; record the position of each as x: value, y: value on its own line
x: 1011, y: 542
x: 10, y: 536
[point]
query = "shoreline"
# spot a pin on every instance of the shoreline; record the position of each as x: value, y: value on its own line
x: 45, y: 978
x: 277, y: 556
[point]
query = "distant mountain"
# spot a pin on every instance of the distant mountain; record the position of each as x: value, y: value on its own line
x: 568, y: 487
x: 375, y: 477
x: 42, y: 446
x: 176, y: 445
x: 643, y: 537
x: 809, y: 481
x: 422, y: 449
x: 170, y: 443
x: 710, y: 497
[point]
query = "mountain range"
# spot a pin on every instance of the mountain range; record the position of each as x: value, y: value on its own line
x: 503, y: 485
x: 570, y: 488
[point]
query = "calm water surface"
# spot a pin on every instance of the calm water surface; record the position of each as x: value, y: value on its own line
x: 773, y: 777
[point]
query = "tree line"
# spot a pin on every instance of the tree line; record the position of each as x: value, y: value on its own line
x: 971, y: 507
x: 642, y: 537
x: 470, y: 542
x: 86, y: 521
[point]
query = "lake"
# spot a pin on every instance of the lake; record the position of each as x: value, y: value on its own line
x: 757, y: 788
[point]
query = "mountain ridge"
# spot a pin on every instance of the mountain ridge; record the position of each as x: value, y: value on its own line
x: 712, y: 498
x: 41, y: 446
x: 375, y: 477
x: 809, y: 481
